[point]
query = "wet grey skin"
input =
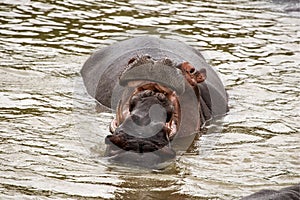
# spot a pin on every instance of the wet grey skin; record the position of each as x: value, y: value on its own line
x: 288, y: 193
x: 162, y: 91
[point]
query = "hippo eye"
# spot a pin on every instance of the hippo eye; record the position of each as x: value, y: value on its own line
x: 192, y: 70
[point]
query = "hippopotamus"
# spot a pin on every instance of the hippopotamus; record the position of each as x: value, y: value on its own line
x: 162, y: 92
x: 289, y: 5
x: 288, y: 193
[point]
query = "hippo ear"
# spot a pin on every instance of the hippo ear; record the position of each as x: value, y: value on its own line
x: 192, y: 75
x: 200, y: 75
x: 187, y: 67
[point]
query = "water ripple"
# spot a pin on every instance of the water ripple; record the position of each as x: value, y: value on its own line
x: 51, y: 138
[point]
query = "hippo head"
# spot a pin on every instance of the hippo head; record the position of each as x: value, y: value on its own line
x: 159, y: 98
x: 149, y: 116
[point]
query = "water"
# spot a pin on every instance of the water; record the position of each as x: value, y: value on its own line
x: 52, y: 139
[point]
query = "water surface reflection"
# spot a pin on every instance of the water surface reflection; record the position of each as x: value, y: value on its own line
x: 52, y: 140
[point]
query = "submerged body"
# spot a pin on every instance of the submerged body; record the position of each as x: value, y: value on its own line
x: 288, y: 193
x: 162, y: 91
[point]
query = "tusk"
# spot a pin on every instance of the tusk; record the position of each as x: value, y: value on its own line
x: 115, y: 122
x: 119, y: 114
x: 113, y: 126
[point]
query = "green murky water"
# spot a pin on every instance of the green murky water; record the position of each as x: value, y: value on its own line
x: 52, y: 140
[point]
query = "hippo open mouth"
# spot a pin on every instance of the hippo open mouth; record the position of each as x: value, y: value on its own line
x: 148, y: 120
x: 146, y: 123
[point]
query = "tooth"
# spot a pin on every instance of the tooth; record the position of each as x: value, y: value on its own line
x: 113, y: 126
x: 119, y: 114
